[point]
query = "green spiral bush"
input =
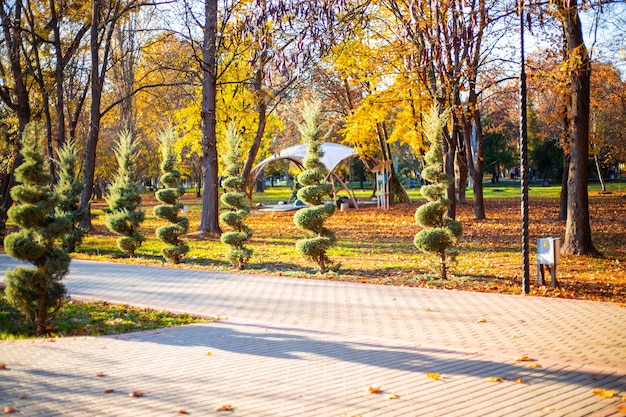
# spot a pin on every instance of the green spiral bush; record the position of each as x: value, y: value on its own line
x: 69, y: 188
x: 235, y: 200
x: 37, y: 292
x: 439, y: 231
x: 170, y: 197
x: 311, y: 219
x: 124, y: 198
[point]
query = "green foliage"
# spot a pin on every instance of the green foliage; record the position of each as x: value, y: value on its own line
x: 37, y: 292
x: 69, y: 189
x: 439, y: 231
x: 237, y: 203
x: 124, y: 197
x: 311, y: 219
x: 170, y: 197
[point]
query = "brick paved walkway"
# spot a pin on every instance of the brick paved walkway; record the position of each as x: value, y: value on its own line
x: 294, y: 347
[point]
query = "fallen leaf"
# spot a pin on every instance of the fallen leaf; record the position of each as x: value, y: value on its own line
x: 496, y: 379
x: 225, y: 407
x: 183, y: 412
x: 108, y: 391
x: 99, y: 374
x: 481, y: 321
x: 549, y: 409
x: 604, y: 393
x: 519, y: 381
x: 209, y: 353
x: 591, y: 378
x: 373, y: 389
x: 534, y: 365
x: 136, y: 394
x: 393, y: 396
x: 21, y: 396
x: 622, y: 409
x: 433, y: 375
x: 3, y: 366
x: 8, y: 409
x: 523, y: 359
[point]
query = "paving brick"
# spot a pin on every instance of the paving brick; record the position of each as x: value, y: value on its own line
x: 311, y: 348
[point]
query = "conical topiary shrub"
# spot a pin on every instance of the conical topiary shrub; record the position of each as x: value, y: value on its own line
x: 37, y: 292
x: 170, y: 197
x: 237, y: 203
x: 439, y: 231
x: 124, y: 197
x: 69, y: 188
x: 311, y: 219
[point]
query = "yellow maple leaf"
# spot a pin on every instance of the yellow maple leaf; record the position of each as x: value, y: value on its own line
x: 393, y: 396
x: 523, y: 359
x: 373, y: 389
x: 433, y: 375
x: 604, y: 393
x: 496, y: 379
x: 481, y: 321
x: 209, y: 353
x: 534, y: 365
x: 225, y: 407
x: 519, y: 381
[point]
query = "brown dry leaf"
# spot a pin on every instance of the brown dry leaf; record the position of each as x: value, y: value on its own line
x: 534, y: 365
x: 9, y: 409
x: 523, y: 359
x: 591, y: 378
x: 496, y: 379
x: 108, y: 391
x: 100, y: 374
x: 225, y: 407
x: 373, y: 389
x: 519, y: 381
x: 393, y: 396
x: 3, y: 366
x: 433, y: 375
x: 136, y: 394
x: 604, y: 393
x: 183, y: 412
x: 481, y: 321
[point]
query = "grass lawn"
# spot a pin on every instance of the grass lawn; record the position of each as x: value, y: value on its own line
x: 91, y: 319
x: 377, y: 247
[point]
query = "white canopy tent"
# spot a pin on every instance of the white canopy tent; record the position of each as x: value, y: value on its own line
x: 334, y: 154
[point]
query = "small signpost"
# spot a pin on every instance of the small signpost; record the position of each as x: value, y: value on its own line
x: 548, y: 249
x: 383, y: 194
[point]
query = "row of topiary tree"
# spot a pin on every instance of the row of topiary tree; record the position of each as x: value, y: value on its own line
x: 48, y: 216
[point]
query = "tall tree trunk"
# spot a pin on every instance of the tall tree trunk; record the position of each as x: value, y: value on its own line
x: 577, y: 229
x: 209, y: 221
x: 449, y: 153
x: 261, y: 109
x: 18, y: 101
x: 94, y: 115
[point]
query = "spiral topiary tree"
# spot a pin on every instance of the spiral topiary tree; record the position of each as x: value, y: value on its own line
x: 237, y: 203
x: 439, y: 231
x: 311, y: 219
x: 69, y: 189
x: 37, y: 292
x: 170, y: 197
x: 124, y: 197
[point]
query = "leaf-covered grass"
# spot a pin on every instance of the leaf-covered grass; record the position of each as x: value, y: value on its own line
x: 96, y: 318
x: 377, y: 247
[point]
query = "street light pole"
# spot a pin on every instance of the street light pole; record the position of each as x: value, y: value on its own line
x: 523, y: 137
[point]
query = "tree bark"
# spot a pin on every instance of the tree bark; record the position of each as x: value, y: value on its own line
x: 577, y: 229
x: 94, y: 117
x: 209, y: 221
x: 18, y: 101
